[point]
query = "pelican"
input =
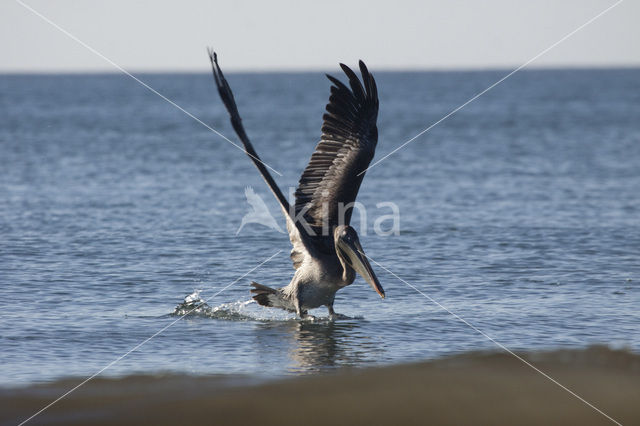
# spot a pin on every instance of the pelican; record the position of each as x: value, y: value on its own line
x: 326, y: 251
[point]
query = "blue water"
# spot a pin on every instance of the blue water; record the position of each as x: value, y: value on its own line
x: 520, y: 214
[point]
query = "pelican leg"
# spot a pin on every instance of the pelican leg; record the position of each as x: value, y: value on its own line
x: 302, y: 313
x: 333, y: 315
x: 296, y: 303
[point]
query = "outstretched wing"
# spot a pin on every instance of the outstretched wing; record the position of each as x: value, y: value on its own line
x: 331, y: 180
x: 302, y: 245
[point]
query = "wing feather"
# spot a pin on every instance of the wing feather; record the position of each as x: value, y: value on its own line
x: 349, y: 137
x: 334, y: 174
x: 301, y: 244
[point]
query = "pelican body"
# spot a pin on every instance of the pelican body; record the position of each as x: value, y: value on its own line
x: 326, y: 251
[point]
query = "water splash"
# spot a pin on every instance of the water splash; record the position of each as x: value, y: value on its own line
x: 195, y: 306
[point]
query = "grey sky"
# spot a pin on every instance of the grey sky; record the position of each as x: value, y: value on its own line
x: 282, y: 34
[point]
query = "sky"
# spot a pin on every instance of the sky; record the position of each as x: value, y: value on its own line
x: 167, y: 36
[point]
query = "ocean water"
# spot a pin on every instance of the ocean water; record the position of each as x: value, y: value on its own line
x: 519, y: 214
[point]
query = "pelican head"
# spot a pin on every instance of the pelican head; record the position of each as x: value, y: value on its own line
x: 351, y: 254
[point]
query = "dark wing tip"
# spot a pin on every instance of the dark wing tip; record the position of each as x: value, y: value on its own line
x: 348, y: 71
x: 226, y: 94
x: 363, y: 68
x: 369, y: 81
x: 351, y: 109
x: 354, y: 82
x: 213, y: 57
x: 363, y: 91
x: 334, y: 80
x: 217, y: 72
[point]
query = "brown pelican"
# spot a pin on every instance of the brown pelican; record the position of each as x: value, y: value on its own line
x: 326, y: 251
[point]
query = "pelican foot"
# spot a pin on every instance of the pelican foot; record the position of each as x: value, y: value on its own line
x: 336, y: 316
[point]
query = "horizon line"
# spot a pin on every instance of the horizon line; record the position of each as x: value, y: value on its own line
x: 295, y: 70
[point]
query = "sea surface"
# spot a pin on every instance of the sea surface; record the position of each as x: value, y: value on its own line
x: 519, y: 222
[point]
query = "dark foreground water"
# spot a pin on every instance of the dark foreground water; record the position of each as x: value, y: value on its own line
x: 520, y: 214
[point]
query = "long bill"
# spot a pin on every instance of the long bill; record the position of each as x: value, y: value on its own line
x: 361, y: 264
